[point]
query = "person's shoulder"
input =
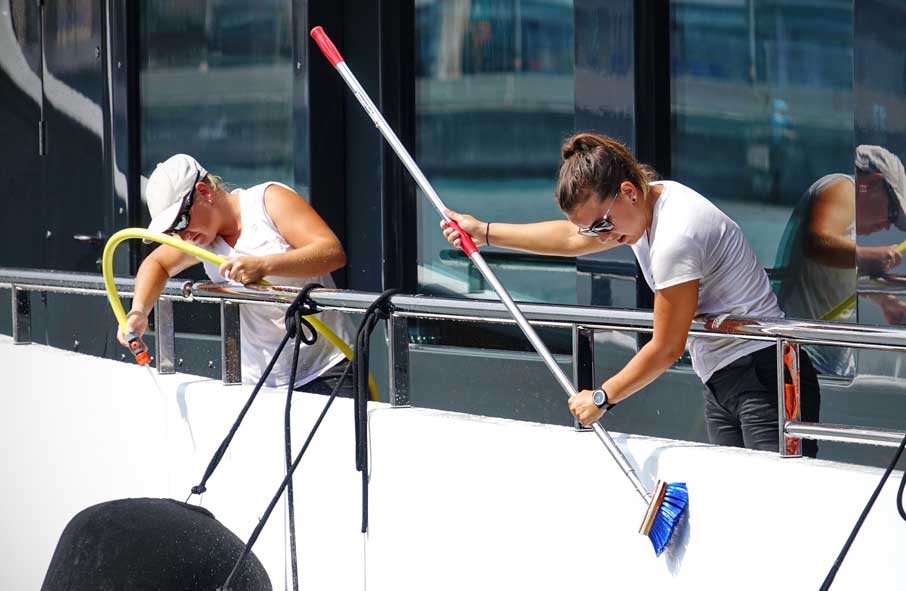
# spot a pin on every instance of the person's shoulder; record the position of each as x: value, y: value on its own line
x: 683, y: 196
x: 274, y: 192
x: 682, y: 206
x: 834, y: 180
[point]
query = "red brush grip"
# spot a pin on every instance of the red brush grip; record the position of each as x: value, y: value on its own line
x: 327, y: 47
x: 465, y: 241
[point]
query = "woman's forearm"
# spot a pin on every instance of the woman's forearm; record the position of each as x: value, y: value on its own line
x: 832, y: 251
x: 646, y: 366
x: 308, y: 261
x: 150, y: 281
x: 556, y: 237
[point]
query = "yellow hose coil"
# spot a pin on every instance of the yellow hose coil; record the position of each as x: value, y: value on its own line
x: 114, y: 298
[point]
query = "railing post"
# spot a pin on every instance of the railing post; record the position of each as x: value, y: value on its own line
x: 583, y: 363
x: 230, y: 340
x: 788, y: 396
x: 165, y: 343
x: 21, y: 301
x: 398, y: 360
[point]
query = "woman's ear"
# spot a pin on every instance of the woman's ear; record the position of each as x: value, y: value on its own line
x: 205, y: 191
x: 627, y: 189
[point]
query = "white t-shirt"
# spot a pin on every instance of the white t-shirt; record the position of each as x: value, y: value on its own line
x: 262, y: 327
x: 692, y: 239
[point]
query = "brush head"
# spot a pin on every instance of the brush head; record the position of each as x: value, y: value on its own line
x: 667, y: 505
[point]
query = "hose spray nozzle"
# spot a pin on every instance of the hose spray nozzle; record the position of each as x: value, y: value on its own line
x: 138, y: 348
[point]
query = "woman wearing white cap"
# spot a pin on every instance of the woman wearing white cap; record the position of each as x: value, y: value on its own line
x: 265, y: 231
x: 820, y: 256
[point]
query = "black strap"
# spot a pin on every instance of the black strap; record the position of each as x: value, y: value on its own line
x: 832, y: 573
x: 286, y: 480
x: 378, y: 310
x: 218, y: 455
x: 301, y: 305
x: 294, y: 322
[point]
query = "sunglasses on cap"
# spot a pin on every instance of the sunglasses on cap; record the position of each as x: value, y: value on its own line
x: 183, y: 219
x: 601, y: 226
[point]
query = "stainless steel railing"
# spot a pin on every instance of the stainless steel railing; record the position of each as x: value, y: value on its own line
x: 787, y: 335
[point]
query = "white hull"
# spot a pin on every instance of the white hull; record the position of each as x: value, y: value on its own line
x: 457, y: 501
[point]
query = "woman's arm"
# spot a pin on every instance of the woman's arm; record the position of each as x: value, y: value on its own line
x: 828, y: 242
x: 833, y: 211
x: 556, y: 237
x: 316, y: 250
x: 674, y: 309
x: 163, y: 263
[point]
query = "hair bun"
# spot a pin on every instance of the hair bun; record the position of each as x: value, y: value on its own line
x: 573, y: 148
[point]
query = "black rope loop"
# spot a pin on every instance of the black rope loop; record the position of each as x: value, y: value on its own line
x: 379, y: 309
x: 294, y: 323
x: 303, y: 302
x: 302, y: 306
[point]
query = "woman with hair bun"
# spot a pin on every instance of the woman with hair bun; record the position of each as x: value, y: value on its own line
x: 697, y: 262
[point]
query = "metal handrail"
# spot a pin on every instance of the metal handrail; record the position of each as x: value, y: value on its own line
x: 582, y: 320
x: 806, y: 332
x: 87, y: 284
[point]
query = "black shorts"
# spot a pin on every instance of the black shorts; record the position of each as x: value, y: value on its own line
x: 326, y: 382
x: 741, y: 402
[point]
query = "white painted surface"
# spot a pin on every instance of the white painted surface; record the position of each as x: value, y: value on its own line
x: 457, y: 502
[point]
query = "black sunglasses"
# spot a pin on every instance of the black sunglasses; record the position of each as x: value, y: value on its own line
x: 893, y: 206
x: 182, y: 221
x: 601, y: 226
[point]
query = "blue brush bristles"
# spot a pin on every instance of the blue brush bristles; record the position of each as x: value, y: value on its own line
x: 676, y: 497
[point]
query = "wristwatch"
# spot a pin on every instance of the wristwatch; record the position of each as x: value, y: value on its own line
x: 599, y: 397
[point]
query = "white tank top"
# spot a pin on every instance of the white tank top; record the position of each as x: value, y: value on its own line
x: 262, y: 326
x: 810, y: 289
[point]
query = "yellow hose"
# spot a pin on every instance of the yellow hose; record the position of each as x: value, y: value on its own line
x: 847, y: 304
x: 114, y: 298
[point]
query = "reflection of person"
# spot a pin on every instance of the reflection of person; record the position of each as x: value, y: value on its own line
x: 696, y: 260
x: 819, y: 255
x: 266, y: 232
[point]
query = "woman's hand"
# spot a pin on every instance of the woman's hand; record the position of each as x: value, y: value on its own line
x: 136, y: 323
x: 244, y: 270
x: 877, y: 260
x: 473, y: 227
x: 584, y: 408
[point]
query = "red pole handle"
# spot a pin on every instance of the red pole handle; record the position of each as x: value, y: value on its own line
x: 327, y: 47
x: 465, y: 241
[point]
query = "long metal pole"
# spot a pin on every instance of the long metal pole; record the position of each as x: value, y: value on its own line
x: 330, y: 51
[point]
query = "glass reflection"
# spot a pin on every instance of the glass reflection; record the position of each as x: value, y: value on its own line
x: 819, y: 255
x: 762, y: 99
x: 762, y: 95
x: 494, y: 98
x: 216, y: 80
x: 217, y: 83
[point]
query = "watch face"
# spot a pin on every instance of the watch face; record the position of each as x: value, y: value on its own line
x: 598, y: 397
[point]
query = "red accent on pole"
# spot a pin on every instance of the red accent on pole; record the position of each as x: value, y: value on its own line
x: 465, y: 241
x: 327, y: 47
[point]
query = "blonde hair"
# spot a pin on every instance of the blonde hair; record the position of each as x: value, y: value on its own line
x: 596, y: 165
x: 215, y: 182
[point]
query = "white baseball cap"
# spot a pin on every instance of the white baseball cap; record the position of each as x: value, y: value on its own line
x: 878, y: 159
x: 169, y: 188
